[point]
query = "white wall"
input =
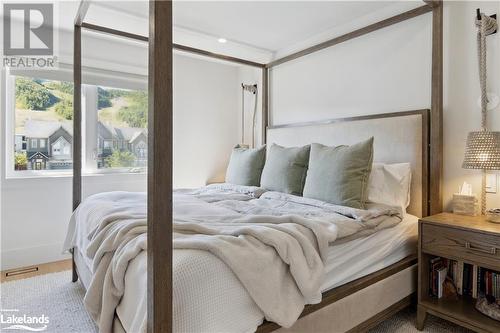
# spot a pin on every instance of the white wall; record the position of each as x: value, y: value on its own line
x: 35, y: 211
x: 250, y: 75
x: 461, y: 92
x: 385, y: 71
x: 388, y: 71
x: 206, y: 124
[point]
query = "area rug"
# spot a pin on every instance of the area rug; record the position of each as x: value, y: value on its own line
x: 60, y: 301
x: 52, y: 296
x: 404, y: 322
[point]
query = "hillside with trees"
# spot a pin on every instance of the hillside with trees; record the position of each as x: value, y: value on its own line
x: 53, y: 101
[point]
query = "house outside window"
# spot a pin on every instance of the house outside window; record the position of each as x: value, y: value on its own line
x: 43, y: 112
x: 121, y: 128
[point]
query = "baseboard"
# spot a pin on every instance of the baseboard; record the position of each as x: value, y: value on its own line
x: 17, y: 258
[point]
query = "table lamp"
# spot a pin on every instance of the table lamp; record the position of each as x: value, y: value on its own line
x: 482, y: 151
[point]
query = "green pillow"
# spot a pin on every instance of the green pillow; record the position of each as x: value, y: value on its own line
x: 245, y: 166
x: 285, y: 169
x: 339, y: 175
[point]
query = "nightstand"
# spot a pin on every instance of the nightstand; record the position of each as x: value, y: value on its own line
x: 467, y: 240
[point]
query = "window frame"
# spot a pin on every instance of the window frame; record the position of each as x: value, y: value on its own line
x: 89, y: 118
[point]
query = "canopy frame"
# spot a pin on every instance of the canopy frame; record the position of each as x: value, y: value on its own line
x: 160, y: 159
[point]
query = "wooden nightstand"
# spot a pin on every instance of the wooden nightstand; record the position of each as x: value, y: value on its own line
x: 467, y: 239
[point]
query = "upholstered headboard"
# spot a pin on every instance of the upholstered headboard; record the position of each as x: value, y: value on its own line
x: 399, y: 137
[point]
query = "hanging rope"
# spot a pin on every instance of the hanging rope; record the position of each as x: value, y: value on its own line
x: 254, y: 116
x: 486, y: 26
x: 251, y: 89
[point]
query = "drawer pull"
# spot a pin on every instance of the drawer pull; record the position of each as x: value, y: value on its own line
x: 469, y: 246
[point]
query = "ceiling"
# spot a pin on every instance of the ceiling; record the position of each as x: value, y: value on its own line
x: 261, y: 28
x: 268, y: 25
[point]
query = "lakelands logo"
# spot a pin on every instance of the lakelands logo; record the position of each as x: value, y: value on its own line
x: 13, y: 320
x: 28, y: 35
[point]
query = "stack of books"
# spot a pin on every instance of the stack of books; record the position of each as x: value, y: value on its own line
x: 439, y: 271
x: 469, y: 280
x: 489, y: 283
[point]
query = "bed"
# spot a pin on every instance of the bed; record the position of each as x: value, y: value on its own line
x: 369, y: 254
x: 367, y: 278
x: 427, y: 168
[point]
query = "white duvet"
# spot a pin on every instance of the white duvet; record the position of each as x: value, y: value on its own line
x: 273, y: 243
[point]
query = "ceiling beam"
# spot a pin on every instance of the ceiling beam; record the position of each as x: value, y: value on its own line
x: 114, y: 32
x: 193, y: 50
x: 354, y: 34
x: 178, y: 47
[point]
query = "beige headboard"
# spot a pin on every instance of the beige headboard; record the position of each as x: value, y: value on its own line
x: 399, y: 137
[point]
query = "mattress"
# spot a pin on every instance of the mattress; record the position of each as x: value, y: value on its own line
x: 217, y: 302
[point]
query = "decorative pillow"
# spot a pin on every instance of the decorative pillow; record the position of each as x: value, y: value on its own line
x: 285, y: 169
x: 390, y: 184
x: 339, y: 175
x: 245, y: 166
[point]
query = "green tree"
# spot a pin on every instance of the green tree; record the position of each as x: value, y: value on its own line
x: 136, y: 113
x: 20, y: 161
x: 62, y: 86
x: 103, y: 98
x: 65, y: 109
x: 33, y: 95
x: 120, y: 159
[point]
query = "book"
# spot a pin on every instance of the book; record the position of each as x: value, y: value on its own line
x: 441, y: 277
x: 469, y: 280
x: 474, y: 281
x: 460, y: 277
x: 435, y: 264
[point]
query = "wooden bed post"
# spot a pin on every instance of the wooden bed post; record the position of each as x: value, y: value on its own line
x: 77, y: 129
x: 77, y: 116
x: 436, y: 147
x: 159, y: 288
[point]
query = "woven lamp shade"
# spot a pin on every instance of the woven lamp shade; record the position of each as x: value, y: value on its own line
x: 482, y: 151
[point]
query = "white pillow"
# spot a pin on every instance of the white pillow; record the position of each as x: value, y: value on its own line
x: 389, y: 184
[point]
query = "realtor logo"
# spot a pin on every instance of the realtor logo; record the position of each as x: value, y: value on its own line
x: 29, y: 37
x: 35, y: 35
x: 12, y: 319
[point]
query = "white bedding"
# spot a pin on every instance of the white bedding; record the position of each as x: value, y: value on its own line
x: 208, y: 296
x: 229, y: 307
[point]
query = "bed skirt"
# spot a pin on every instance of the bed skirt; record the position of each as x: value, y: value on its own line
x: 360, y: 310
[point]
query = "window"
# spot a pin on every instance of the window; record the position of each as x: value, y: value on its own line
x: 43, y: 126
x: 43, y: 113
x: 121, y: 128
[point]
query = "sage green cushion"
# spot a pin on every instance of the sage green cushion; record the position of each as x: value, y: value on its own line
x: 245, y: 166
x: 339, y: 175
x: 285, y: 169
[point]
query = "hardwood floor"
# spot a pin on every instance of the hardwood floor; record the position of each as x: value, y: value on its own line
x: 30, y: 271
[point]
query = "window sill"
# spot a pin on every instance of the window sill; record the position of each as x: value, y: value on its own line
x: 20, y: 175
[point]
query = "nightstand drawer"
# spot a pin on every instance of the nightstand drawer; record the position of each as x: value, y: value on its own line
x: 462, y: 245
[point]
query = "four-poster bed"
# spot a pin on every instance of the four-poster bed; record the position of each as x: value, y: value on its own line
x: 159, y: 252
